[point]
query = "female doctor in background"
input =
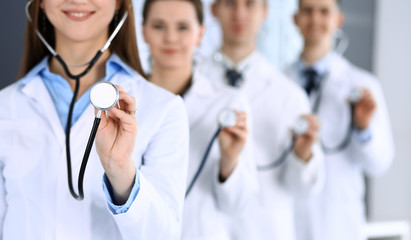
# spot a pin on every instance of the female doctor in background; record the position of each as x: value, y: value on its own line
x: 137, y: 201
x: 172, y: 30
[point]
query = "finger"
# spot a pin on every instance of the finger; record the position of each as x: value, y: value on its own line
x: 121, y: 117
x: 241, y: 123
x: 237, y: 132
x: 127, y: 102
x: 313, y: 122
x: 241, y: 116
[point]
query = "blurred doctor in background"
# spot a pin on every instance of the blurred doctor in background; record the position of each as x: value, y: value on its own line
x: 276, y: 104
x: 355, y: 133
x: 227, y: 182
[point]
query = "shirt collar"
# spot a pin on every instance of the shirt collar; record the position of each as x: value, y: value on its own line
x: 240, y: 66
x: 113, y: 65
x: 322, y: 65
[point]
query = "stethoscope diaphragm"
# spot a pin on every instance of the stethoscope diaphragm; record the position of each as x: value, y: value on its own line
x: 227, y: 118
x: 104, y: 96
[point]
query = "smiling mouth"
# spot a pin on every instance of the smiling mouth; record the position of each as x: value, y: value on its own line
x: 77, y: 15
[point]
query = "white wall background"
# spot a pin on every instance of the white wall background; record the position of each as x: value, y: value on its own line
x: 391, y: 194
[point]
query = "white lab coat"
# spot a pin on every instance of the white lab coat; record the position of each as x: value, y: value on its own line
x: 209, y: 200
x: 35, y: 202
x: 276, y: 104
x: 338, y: 211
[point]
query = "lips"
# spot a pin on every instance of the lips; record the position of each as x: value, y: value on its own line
x: 170, y: 51
x: 238, y: 28
x: 77, y: 15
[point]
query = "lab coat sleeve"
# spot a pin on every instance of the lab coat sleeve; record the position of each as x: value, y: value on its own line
x: 303, y: 178
x: 157, y: 210
x: 241, y: 186
x: 375, y: 155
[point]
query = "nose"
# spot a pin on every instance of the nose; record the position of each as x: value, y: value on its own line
x: 170, y: 35
x: 240, y: 12
x: 315, y: 17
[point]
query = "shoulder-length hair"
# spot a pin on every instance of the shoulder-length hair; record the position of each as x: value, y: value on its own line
x: 124, y: 44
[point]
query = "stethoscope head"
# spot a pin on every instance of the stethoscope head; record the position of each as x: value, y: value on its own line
x: 355, y: 95
x: 227, y: 118
x: 301, y: 126
x: 104, y: 95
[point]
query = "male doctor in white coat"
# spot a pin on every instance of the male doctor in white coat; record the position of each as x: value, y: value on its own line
x: 276, y: 103
x: 338, y: 211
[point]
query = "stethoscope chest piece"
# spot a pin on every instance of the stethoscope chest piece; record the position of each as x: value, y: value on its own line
x: 355, y: 95
x: 104, y: 95
x: 227, y: 118
x: 301, y: 126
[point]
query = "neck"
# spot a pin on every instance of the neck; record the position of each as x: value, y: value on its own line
x: 315, y: 51
x: 175, y: 80
x: 238, y: 52
x: 78, y: 54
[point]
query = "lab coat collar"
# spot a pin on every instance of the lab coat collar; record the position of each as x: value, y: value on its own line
x: 200, y: 85
x: 338, y: 66
x: 114, y: 62
x: 258, y: 76
x: 330, y: 67
x: 242, y: 65
x: 33, y: 87
x: 322, y: 66
x: 199, y: 98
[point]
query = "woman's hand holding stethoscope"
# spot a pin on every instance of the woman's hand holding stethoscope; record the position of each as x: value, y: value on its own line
x: 115, y: 141
x: 232, y: 140
x: 364, y: 109
x: 304, y: 142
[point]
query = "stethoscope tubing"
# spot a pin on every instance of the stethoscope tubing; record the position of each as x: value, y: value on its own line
x: 347, y: 138
x: 281, y: 159
x: 203, y: 161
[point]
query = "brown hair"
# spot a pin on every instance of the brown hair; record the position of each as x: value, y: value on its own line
x: 337, y: 1
x: 197, y: 5
x: 124, y: 44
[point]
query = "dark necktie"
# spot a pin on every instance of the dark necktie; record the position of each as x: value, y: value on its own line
x: 233, y: 77
x: 311, y: 77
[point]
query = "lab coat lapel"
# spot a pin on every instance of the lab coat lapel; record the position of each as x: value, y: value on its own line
x: 292, y: 73
x: 36, y: 90
x: 255, y: 80
x: 198, y: 98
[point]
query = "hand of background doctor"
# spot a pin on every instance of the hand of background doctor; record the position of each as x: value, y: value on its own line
x: 364, y: 110
x: 115, y: 141
x: 303, y: 144
x: 232, y: 141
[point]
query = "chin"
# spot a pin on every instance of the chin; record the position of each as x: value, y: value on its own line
x: 171, y: 65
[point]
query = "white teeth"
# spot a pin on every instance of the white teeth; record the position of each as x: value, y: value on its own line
x: 78, y: 15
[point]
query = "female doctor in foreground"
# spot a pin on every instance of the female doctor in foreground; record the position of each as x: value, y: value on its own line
x: 227, y: 182
x: 134, y: 183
